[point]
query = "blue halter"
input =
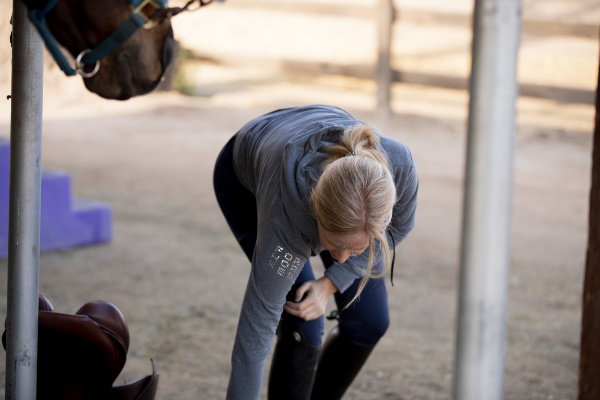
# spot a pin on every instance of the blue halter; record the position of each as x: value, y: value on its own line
x: 136, y: 20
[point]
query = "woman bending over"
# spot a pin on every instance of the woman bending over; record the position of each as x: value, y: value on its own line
x: 302, y: 182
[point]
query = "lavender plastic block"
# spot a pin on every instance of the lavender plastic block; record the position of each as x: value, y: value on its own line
x: 65, y: 221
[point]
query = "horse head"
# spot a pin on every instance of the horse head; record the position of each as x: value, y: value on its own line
x: 134, y: 66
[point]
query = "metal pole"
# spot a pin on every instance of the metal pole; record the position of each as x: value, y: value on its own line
x: 480, y: 343
x: 24, y: 208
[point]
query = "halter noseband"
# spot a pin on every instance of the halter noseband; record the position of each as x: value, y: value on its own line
x: 139, y: 18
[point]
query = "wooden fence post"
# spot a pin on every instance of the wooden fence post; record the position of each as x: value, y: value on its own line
x: 383, y: 72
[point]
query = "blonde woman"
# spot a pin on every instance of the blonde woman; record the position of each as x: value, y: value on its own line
x: 297, y: 183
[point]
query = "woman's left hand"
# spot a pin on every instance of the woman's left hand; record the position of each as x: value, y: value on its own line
x: 314, y: 304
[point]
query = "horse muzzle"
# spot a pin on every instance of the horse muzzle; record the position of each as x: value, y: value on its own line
x: 133, y: 70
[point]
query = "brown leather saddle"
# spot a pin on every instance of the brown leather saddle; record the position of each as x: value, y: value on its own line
x: 81, y: 355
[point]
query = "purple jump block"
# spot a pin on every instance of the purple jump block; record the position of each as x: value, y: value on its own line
x: 65, y: 221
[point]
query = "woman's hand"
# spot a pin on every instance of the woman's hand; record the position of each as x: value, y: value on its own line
x: 314, y: 304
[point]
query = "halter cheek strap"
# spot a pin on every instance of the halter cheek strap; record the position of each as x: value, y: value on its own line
x: 38, y: 18
x: 136, y: 20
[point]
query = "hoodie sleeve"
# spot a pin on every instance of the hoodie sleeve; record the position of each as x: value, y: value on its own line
x: 343, y: 275
x: 275, y: 267
x: 403, y: 216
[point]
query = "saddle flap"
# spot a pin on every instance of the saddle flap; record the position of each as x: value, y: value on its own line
x: 140, y: 389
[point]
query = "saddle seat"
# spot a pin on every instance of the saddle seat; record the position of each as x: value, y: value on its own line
x: 81, y: 355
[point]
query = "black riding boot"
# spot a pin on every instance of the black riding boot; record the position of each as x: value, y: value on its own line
x: 293, y: 365
x: 340, y: 361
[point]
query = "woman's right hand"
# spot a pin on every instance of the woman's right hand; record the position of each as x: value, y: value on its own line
x: 314, y: 304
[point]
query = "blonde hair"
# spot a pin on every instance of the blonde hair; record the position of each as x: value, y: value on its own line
x: 356, y: 193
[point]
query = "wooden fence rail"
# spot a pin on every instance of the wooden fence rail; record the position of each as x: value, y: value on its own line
x: 385, y: 14
x: 529, y: 26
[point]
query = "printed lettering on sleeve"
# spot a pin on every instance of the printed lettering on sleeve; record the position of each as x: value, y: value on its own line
x: 284, y: 264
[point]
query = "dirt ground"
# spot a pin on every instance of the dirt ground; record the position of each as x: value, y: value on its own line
x: 177, y: 274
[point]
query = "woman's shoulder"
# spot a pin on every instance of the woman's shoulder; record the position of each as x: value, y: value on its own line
x: 398, y: 153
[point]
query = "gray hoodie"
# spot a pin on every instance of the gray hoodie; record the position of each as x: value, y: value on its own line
x: 279, y: 157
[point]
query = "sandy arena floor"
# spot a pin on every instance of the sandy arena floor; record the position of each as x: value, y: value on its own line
x: 178, y: 276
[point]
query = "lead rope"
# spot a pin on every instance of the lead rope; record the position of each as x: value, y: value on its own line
x: 173, y: 11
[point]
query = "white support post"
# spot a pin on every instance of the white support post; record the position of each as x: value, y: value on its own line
x: 24, y: 208
x: 485, y: 250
